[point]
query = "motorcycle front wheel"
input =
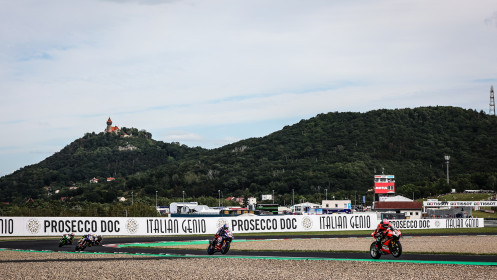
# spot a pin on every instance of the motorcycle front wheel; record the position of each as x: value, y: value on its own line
x: 374, y: 252
x: 210, y: 249
x: 395, y: 248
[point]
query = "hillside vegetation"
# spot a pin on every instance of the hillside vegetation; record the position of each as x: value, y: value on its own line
x: 333, y: 154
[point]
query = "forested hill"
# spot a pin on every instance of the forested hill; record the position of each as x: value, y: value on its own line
x: 98, y: 156
x: 336, y: 152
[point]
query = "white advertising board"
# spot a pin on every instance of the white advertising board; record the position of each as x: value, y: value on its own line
x: 459, y: 203
x: 46, y: 226
x: 438, y: 223
x: 54, y: 226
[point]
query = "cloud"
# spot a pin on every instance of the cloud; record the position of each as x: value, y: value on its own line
x: 492, y: 20
x: 181, y: 136
x: 208, y: 73
x: 143, y: 2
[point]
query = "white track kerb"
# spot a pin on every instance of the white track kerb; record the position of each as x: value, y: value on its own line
x: 53, y: 226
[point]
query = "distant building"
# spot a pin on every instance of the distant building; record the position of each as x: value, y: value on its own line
x: 162, y: 210
x: 384, y: 186
x: 266, y: 197
x: 110, y: 128
x: 394, y: 198
x: 336, y: 204
x: 237, y: 199
x: 110, y: 179
x: 251, y: 201
x: 94, y: 181
x: 181, y: 207
x: 305, y: 207
x: 407, y: 209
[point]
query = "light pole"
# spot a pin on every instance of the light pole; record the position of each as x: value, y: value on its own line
x: 326, y: 193
x: 273, y: 196
x: 132, y: 198
x: 219, y: 198
x: 155, y: 199
x: 293, y: 196
x: 447, y: 158
x: 183, y: 197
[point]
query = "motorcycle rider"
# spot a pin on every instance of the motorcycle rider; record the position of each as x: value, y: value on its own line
x: 69, y: 237
x: 92, y: 238
x: 222, y: 233
x: 89, y: 239
x: 98, y: 239
x: 381, y: 231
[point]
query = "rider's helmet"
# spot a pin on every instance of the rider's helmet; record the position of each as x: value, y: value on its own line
x: 385, y: 224
x: 225, y: 227
x: 72, y: 234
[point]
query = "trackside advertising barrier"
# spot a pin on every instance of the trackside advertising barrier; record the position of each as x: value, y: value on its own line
x: 459, y: 203
x: 54, y: 226
x: 438, y: 223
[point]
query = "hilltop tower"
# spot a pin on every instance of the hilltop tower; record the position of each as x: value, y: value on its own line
x: 110, y: 128
x: 109, y: 125
x: 492, y: 101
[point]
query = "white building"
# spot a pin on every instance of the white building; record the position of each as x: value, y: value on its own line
x: 181, y: 207
x: 266, y: 197
x: 192, y: 208
x: 304, y: 207
x: 251, y: 201
x: 395, y: 198
x: 336, y: 204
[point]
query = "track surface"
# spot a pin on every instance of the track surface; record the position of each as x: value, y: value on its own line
x: 52, y: 245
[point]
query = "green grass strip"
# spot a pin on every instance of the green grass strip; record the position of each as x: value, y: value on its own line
x: 176, y: 243
x: 271, y: 258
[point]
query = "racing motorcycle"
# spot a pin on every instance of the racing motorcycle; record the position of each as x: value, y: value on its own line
x: 390, y: 244
x: 65, y: 241
x: 225, y: 244
x: 82, y: 243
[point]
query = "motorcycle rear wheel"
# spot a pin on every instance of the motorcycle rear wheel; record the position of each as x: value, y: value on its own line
x: 395, y: 248
x: 225, y: 248
x: 374, y: 251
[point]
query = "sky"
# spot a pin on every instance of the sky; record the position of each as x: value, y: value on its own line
x: 212, y: 72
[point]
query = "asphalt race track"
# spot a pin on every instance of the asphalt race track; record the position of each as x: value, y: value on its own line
x: 52, y: 245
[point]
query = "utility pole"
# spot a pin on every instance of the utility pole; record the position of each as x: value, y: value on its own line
x: 447, y: 158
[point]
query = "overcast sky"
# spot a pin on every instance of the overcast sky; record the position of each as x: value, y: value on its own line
x: 208, y: 73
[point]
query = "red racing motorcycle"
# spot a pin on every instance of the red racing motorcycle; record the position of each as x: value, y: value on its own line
x: 390, y: 244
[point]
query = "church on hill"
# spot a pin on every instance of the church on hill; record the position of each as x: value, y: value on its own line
x: 110, y: 128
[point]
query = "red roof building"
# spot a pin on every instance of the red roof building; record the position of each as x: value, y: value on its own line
x: 110, y: 128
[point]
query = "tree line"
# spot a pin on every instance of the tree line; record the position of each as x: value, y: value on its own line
x: 333, y: 154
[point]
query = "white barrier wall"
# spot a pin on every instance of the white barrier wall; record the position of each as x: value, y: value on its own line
x: 49, y: 226
x: 438, y: 223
